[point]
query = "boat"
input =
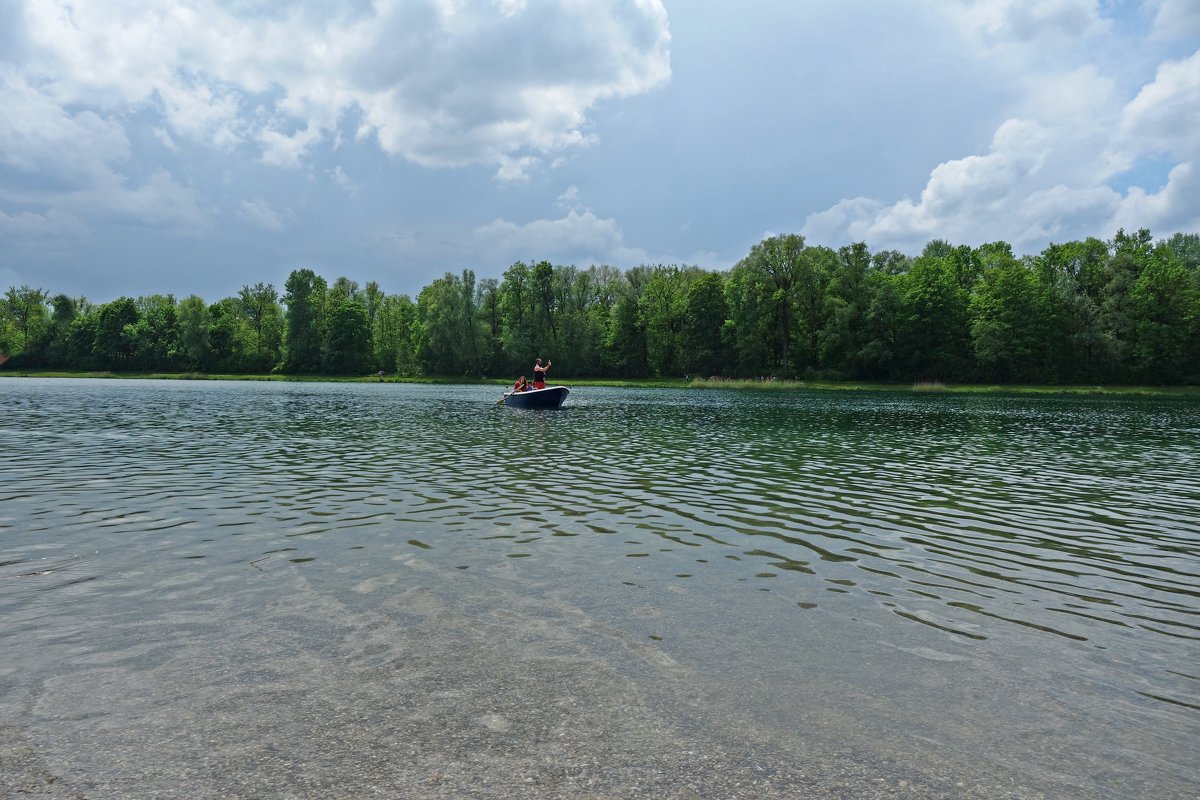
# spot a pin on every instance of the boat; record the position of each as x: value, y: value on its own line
x: 550, y: 397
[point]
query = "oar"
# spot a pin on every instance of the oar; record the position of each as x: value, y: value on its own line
x: 500, y: 402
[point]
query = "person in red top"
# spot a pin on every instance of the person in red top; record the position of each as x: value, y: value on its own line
x: 521, y: 385
x: 539, y: 373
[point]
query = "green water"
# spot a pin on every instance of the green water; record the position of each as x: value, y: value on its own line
x: 215, y: 589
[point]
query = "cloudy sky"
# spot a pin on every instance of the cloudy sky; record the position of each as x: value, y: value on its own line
x: 195, y: 146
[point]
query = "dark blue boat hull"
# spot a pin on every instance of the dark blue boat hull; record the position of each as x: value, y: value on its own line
x: 550, y: 397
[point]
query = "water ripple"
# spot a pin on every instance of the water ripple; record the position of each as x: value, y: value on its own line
x: 1073, y: 520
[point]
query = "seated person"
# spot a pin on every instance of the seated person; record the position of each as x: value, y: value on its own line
x: 521, y: 385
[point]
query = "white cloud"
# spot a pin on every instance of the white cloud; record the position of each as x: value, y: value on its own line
x: 1176, y: 18
x: 259, y: 212
x: 157, y: 201
x: 339, y: 176
x: 435, y: 82
x: 1165, y: 115
x: 29, y: 224
x: 1009, y: 22
x: 570, y: 199
x: 514, y: 170
x: 167, y: 142
x: 964, y: 199
x: 510, y: 7
x: 73, y: 161
x: 37, y: 135
x: 1045, y: 178
x: 1175, y: 207
x: 578, y: 238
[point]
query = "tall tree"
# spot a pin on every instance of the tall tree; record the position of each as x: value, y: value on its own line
x: 155, y: 335
x: 1163, y: 303
x: 346, y: 344
x: 305, y: 301
x: 625, y: 342
x: 1008, y: 325
x: 847, y: 302
x: 64, y: 310
x: 195, y: 322
x: 935, y: 327
x: 1130, y: 254
x: 398, y: 336
x: 114, y: 345
x: 452, y: 342
x: 516, y: 320
x: 704, y: 318
x: 26, y: 308
x: 777, y: 265
x: 751, y: 329
x: 663, y: 309
x: 817, y: 264
x: 544, y: 309
x: 260, y: 305
x: 884, y: 320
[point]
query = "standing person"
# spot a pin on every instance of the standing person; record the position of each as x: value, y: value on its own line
x: 539, y: 373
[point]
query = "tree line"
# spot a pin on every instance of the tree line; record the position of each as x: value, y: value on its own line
x: 1121, y: 311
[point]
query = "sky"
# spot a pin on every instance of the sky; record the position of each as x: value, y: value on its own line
x: 198, y: 146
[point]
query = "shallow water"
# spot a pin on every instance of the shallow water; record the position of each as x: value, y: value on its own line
x: 319, y: 589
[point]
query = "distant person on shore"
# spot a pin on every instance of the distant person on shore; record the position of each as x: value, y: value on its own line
x: 539, y: 373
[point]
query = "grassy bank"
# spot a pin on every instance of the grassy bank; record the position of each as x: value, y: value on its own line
x: 931, y: 387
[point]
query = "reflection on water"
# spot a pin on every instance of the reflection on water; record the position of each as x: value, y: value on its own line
x: 1049, y: 544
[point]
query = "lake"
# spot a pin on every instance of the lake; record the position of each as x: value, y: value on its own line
x: 346, y: 590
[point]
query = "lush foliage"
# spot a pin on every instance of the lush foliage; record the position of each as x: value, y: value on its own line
x: 1122, y: 311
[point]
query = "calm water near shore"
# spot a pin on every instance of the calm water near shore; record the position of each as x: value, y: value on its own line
x: 334, y: 590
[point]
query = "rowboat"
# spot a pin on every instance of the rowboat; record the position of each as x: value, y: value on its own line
x: 550, y: 397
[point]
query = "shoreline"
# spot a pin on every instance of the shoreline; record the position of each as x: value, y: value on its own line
x: 920, y: 387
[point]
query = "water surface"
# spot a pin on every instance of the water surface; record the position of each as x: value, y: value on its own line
x: 332, y: 589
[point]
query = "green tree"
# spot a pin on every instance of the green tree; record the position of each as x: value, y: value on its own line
x: 1008, y: 322
x: 1130, y: 255
x: 751, y: 329
x: 583, y: 320
x: 935, y: 330
x: 626, y: 338
x: 397, y: 339
x: 64, y: 310
x: 82, y: 341
x: 305, y: 301
x: 1072, y: 277
x: 663, y: 312
x: 195, y: 322
x: 346, y: 348
x: 229, y: 337
x: 779, y: 271
x: 154, y: 337
x: 884, y: 320
x: 847, y: 303
x: 487, y: 301
x: 517, y: 323
x: 817, y: 264
x: 1186, y: 247
x: 114, y: 345
x: 261, y: 309
x: 1162, y: 303
x: 544, y: 310
x: 453, y: 337
x: 26, y: 310
x: 704, y: 318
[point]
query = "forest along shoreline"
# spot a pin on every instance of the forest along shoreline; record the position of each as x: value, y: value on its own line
x: 768, y: 384
x: 1125, y: 312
